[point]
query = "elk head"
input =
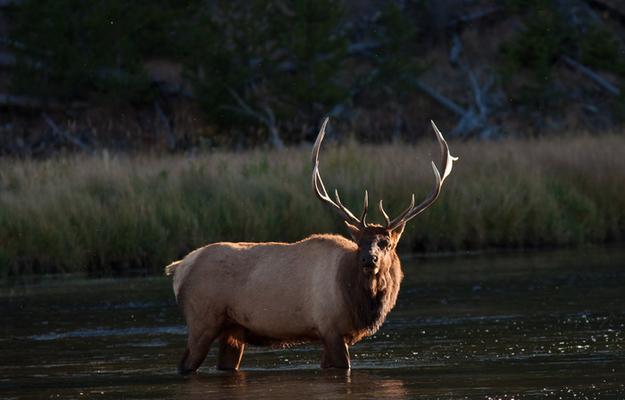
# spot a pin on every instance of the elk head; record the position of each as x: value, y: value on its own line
x: 377, y: 243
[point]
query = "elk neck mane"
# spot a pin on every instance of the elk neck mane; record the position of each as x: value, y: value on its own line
x: 368, y: 298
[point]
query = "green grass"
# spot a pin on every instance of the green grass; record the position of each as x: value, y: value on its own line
x: 109, y: 214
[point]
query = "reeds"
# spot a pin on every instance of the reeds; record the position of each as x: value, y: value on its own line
x: 110, y: 214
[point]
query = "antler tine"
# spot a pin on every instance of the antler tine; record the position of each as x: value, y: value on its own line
x: 413, y: 211
x: 447, y: 159
x: 394, y: 223
x: 319, y: 187
x: 317, y: 145
x: 384, y: 214
x: 447, y: 162
x: 322, y: 194
x: 343, y: 208
x: 363, y: 218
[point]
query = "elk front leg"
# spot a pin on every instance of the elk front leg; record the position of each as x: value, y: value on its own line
x: 335, y: 353
x: 230, y: 353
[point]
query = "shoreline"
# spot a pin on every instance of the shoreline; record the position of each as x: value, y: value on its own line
x: 63, y: 280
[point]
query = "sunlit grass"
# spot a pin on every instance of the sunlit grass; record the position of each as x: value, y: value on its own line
x: 105, y: 214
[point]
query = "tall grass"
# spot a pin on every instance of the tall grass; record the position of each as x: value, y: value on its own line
x: 103, y: 215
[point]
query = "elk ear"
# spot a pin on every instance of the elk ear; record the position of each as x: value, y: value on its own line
x: 396, y: 233
x: 353, y: 230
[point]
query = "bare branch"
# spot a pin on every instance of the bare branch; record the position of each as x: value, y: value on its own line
x: 455, y: 51
x: 64, y: 134
x: 477, y: 15
x: 268, y: 118
x: 593, y: 76
x: 169, y: 132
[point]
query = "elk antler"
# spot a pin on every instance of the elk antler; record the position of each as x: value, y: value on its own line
x: 412, y: 210
x: 321, y: 192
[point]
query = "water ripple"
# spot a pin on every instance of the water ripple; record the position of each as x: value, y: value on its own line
x: 106, y: 332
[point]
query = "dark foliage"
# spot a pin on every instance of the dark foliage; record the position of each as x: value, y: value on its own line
x: 267, y: 70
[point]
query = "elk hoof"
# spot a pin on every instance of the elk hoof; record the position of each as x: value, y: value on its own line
x: 185, y: 371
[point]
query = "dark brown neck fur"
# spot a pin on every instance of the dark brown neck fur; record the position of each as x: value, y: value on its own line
x: 368, y: 298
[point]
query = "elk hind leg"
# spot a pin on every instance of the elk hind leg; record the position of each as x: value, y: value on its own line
x: 231, y: 347
x: 335, y: 353
x: 198, y: 344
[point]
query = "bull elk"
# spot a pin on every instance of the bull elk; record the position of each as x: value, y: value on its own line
x: 323, y: 288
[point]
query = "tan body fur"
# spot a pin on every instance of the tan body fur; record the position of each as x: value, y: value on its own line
x: 280, y: 294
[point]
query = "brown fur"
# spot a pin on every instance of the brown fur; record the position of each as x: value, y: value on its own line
x: 324, y: 287
x: 369, y: 298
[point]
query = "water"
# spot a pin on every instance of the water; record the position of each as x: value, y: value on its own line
x: 537, y: 325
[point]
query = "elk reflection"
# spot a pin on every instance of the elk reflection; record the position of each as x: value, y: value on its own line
x: 325, y: 384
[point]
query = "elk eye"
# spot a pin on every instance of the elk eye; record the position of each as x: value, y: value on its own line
x: 383, y: 244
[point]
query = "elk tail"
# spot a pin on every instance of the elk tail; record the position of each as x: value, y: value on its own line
x: 171, y: 268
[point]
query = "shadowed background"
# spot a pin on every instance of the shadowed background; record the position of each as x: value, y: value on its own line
x: 132, y: 133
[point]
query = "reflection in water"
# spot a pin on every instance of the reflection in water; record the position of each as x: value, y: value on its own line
x: 283, y: 385
x: 527, y: 325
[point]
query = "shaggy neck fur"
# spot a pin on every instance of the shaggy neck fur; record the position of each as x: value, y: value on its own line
x: 369, y: 298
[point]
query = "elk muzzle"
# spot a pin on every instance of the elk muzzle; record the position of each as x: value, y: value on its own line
x: 369, y: 262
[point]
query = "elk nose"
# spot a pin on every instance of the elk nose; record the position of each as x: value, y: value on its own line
x: 369, y: 259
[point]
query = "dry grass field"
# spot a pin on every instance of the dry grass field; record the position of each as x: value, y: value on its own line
x: 106, y: 214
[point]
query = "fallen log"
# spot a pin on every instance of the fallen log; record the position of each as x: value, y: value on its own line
x: 593, y: 76
x: 613, y: 8
x: 37, y: 103
x: 9, y: 3
x: 9, y: 100
x: 442, y: 100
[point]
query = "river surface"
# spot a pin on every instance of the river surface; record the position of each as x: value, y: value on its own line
x: 490, y: 326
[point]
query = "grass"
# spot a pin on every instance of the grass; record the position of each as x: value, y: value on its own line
x: 108, y: 214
